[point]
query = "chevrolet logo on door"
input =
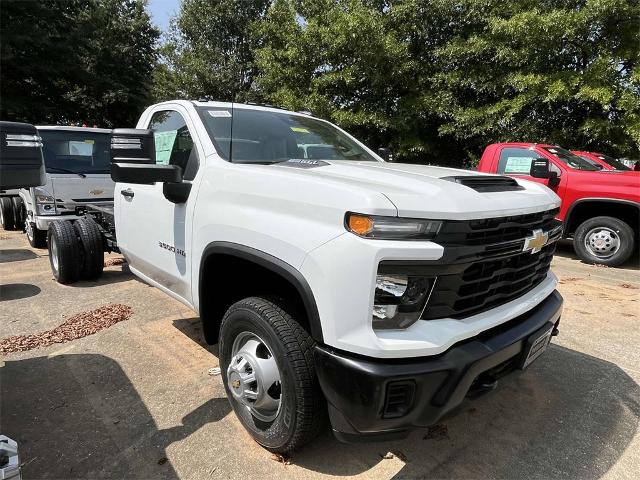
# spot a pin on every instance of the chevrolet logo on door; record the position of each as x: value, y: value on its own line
x: 536, y: 241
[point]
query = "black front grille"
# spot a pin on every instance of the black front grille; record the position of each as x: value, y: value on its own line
x: 486, y: 284
x: 484, y: 264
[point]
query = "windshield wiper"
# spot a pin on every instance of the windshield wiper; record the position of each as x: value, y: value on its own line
x: 64, y: 170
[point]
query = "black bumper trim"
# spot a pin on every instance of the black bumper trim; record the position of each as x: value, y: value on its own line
x: 355, y: 386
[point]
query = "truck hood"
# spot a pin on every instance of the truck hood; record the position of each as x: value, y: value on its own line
x: 422, y: 191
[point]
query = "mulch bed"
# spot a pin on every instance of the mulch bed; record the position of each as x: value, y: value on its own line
x: 77, y: 326
x: 112, y: 262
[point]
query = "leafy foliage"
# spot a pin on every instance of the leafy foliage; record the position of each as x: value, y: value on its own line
x: 440, y: 79
x: 86, y: 61
x: 209, y: 51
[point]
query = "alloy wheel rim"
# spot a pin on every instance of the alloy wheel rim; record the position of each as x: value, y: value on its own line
x: 602, y: 242
x: 253, y: 377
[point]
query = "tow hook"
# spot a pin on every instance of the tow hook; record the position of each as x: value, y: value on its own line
x: 483, y: 384
x: 555, y: 332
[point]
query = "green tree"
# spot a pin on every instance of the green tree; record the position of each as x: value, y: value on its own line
x: 440, y: 79
x: 209, y: 51
x: 557, y: 71
x: 86, y: 61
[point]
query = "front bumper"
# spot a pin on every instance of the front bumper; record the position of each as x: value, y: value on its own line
x: 42, y: 221
x: 359, y: 389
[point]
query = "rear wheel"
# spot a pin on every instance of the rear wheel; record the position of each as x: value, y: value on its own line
x: 6, y: 213
x: 37, y: 238
x: 604, y: 240
x: 18, y: 212
x: 269, y: 374
x: 64, y: 251
x: 92, y: 249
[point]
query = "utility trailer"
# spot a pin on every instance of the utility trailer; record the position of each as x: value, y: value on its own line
x: 77, y: 247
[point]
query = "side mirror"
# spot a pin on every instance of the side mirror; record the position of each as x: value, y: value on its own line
x: 540, y: 169
x: 386, y: 154
x: 145, y: 174
x: 21, y: 162
x: 132, y: 145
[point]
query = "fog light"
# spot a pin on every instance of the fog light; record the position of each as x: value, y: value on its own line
x: 399, y: 300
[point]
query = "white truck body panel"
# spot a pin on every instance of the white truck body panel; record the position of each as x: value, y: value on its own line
x: 297, y: 216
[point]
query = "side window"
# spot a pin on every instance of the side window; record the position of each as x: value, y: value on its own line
x: 174, y: 145
x: 516, y: 160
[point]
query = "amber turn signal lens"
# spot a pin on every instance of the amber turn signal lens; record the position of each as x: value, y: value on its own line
x: 360, y: 224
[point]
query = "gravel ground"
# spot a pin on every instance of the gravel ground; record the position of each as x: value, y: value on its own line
x: 137, y: 400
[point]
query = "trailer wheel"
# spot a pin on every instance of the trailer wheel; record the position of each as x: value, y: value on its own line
x: 92, y: 250
x: 64, y: 251
x: 6, y: 213
x: 18, y: 212
x: 37, y: 238
x: 268, y: 372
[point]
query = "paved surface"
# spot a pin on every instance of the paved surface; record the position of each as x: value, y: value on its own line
x: 136, y: 400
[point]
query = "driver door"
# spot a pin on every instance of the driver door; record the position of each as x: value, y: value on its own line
x: 156, y: 232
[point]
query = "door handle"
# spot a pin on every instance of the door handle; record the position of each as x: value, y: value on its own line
x: 127, y: 193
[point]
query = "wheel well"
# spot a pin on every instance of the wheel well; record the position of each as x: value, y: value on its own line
x: 227, y: 278
x: 627, y: 212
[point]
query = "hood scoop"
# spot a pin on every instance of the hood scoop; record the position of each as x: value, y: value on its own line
x: 486, y: 183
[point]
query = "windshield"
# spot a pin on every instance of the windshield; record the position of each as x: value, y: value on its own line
x: 617, y: 164
x: 67, y: 151
x: 571, y: 160
x: 265, y: 137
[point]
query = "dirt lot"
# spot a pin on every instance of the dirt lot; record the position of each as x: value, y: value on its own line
x: 136, y: 400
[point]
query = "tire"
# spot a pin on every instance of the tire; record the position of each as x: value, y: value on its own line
x: 301, y: 411
x: 91, y: 248
x: 64, y: 251
x: 6, y: 213
x: 604, y: 240
x: 18, y: 212
x: 37, y: 238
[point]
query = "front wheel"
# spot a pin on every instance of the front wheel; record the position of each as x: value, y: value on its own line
x: 266, y: 359
x: 37, y: 238
x: 604, y: 240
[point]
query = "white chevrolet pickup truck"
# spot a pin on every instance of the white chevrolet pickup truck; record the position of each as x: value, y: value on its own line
x: 337, y: 284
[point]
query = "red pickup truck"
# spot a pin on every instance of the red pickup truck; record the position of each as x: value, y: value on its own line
x: 600, y: 208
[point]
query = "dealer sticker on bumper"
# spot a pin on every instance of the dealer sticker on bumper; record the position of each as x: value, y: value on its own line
x: 537, y: 344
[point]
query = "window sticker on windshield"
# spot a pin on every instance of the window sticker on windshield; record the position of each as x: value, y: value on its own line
x: 91, y: 142
x: 300, y: 129
x: 220, y: 113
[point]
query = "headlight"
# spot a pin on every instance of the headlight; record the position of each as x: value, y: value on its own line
x: 45, y: 203
x: 44, y: 199
x: 399, y: 300
x: 391, y: 228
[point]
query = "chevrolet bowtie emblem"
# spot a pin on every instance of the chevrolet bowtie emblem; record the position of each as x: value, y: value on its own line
x: 536, y: 241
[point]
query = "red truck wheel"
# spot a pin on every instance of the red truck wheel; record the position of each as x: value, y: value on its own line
x: 604, y: 240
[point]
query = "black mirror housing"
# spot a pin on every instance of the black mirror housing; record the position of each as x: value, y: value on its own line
x: 540, y: 168
x: 145, y: 174
x: 386, y: 154
x: 132, y: 145
x: 21, y: 162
